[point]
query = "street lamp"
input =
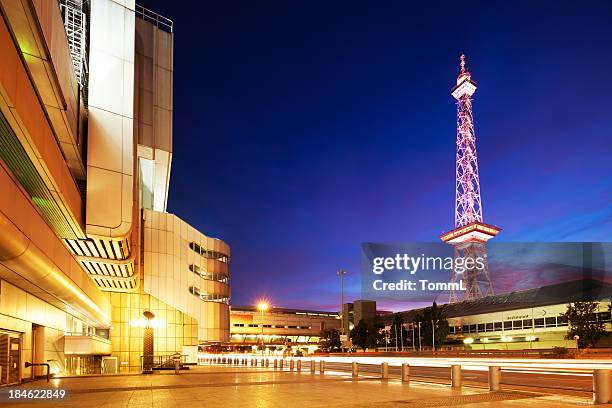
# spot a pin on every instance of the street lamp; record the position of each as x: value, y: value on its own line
x: 420, y: 337
x: 341, y: 273
x: 262, y: 306
x: 433, y: 335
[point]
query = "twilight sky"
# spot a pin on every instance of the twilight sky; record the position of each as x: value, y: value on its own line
x: 303, y: 128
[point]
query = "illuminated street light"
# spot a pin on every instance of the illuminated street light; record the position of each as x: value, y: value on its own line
x: 468, y: 340
x: 262, y: 306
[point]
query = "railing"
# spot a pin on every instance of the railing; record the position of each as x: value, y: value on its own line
x: 161, y: 362
x: 161, y: 22
x: 450, y: 371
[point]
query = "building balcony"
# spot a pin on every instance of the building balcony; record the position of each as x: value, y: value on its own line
x: 90, y: 345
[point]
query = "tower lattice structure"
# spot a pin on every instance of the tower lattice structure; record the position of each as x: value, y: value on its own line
x: 470, y: 234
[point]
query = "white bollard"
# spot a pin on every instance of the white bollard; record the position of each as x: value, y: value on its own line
x: 601, y: 387
x: 494, y: 378
x: 384, y: 371
x: 405, y: 372
x: 456, y: 376
x: 354, y: 370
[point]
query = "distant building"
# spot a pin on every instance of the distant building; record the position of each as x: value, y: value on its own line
x: 280, y: 328
x: 524, y: 319
x: 357, y: 311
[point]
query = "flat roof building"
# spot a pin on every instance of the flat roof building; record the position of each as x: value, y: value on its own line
x: 525, y: 319
x: 279, y: 328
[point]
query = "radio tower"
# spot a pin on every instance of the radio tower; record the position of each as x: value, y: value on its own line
x: 470, y: 234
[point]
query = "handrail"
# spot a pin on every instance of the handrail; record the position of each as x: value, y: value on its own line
x: 161, y: 22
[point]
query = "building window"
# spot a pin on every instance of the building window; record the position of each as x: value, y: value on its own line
x: 497, y: 326
x: 518, y: 324
x: 551, y: 321
x: 208, y: 297
x: 238, y: 324
x: 208, y: 276
x: 538, y: 322
x: 267, y: 325
x: 253, y: 325
x: 481, y: 327
x: 561, y: 321
x: 218, y: 256
x: 508, y: 325
x: 527, y: 324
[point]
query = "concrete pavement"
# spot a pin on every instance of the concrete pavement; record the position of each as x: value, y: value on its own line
x: 237, y: 387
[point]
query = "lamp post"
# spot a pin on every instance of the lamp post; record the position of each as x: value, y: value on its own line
x: 419, y: 337
x: 433, y: 335
x: 341, y: 273
x: 262, y: 307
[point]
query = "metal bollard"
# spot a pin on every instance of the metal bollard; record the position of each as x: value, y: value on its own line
x: 312, y: 366
x: 354, y: 370
x: 456, y: 376
x: 601, y: 387
x: 321, y: 367
x: 291, y: 364
x: 267, y: 362
x: 299, y: 365
x: 494, y: 378
x: 384, y: 371
x: 281, y: 363
x: 275, y: 363
x: 406, y: 372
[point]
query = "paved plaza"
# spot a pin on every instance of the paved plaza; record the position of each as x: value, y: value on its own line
x: 237, y: 387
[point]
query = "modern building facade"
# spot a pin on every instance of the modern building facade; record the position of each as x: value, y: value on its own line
x: 527, y: 319
x: 86, y: 245
x: 279, y: 329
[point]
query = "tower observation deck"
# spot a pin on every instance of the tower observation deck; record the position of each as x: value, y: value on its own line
x: 470, y: 234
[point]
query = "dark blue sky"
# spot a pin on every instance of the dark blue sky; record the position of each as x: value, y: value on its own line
x: 302, y: 128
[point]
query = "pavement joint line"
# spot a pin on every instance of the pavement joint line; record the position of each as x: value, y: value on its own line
x: 454, y: 400
x: 210, y: 385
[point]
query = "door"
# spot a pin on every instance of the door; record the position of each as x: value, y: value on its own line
x: 10, y: 358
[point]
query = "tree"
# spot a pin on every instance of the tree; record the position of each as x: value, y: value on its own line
x: 376, y: 333
x: 582, y: 320
x: 360, y: 335
x: 329, y: 341
x: 398, y: 333
x: 435, y: 315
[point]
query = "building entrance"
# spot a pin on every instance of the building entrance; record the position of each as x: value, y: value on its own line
x: 10, y: 361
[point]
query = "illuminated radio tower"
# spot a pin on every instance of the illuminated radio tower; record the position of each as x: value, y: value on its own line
x: 470, y: 234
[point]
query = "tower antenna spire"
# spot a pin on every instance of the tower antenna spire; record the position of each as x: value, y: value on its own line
x: 470, y: 234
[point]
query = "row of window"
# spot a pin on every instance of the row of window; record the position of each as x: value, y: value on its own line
x: 272, y: 326
x: 208, y: 297
x: 208, y: 254
x: 208, y: 276
x: 552, y: 321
